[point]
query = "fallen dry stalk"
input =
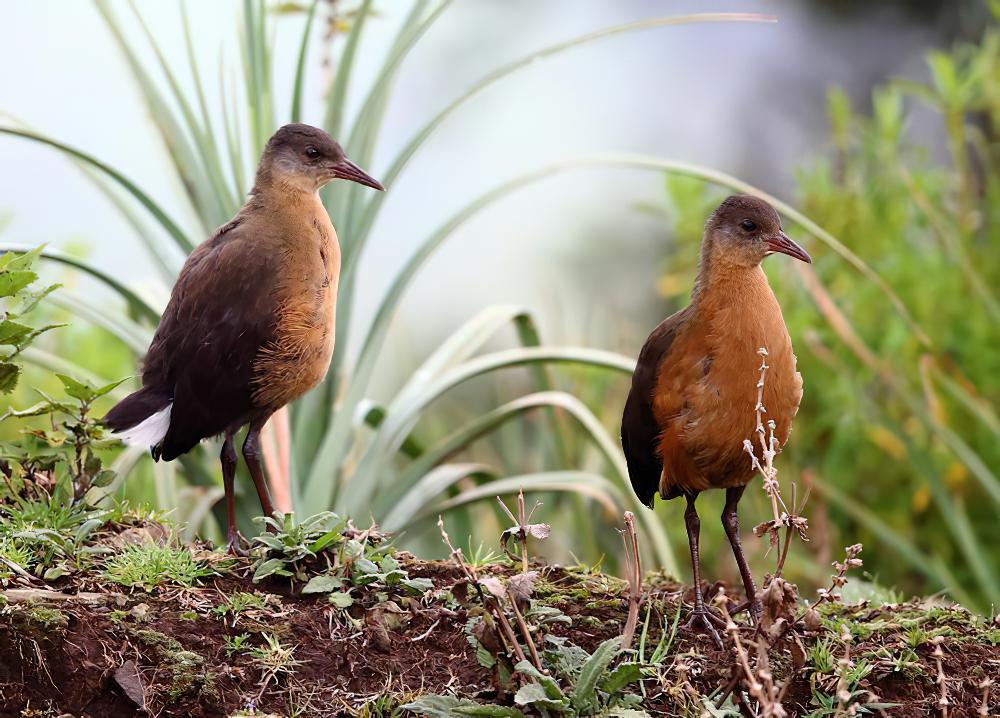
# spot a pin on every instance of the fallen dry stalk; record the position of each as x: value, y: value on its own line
x: 942, y: 679
x: 760, y: 683
x: 984, y: 706
x: 633, y: 568
x: 491, y: 604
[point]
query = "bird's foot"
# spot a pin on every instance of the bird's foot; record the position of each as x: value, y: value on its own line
x: 704, y: 620
x: 234, y: 545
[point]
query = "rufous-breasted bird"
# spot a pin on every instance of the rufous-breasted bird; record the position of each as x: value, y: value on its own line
x: 250, y: 322
x: 694, y: 390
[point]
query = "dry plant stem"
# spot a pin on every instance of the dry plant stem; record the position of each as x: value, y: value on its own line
x: 634, y: 569
x: 837, y: 580
x: 942, y: 679
x: 760, y: 684
x: 522, y: 624
x: 490, y: 604
x: 984, y: 706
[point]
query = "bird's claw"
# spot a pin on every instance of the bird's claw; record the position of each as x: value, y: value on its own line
x: 703, y: 620
x: 234, y: 545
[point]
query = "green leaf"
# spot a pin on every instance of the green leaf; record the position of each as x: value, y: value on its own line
x: 365, y: 566
x: 418, y: 586
x: 325, y: 540
x: 623, y: 675
x: 13, y: 282
x: 551, y: 689
x: 269, y: 567
x: 323, y: 584
x: 102, y: 390
x: 341, y: 599
x: 103, y: 478
x: 585, y: 693
x: 23, y: 260
x: 12, y: 333
x: 77, y: 389
x: 533, y: 694
x: 55, y: 572
x: 9, y: 374
x: 438, y: 706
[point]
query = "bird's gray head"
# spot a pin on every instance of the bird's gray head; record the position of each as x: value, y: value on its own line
x: 306, y: 157
x: 745, y: 229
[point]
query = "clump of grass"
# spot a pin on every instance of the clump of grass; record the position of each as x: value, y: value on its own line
x: 149, y: 566
x: 239, y: 602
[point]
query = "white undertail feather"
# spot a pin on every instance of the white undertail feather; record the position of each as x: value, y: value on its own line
x: 150, y: 431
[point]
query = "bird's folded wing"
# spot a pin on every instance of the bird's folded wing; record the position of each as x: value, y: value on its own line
x: 640, y: 431
x: 221, y: 313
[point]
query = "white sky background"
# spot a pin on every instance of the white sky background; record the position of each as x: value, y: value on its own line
x: 748, y: 99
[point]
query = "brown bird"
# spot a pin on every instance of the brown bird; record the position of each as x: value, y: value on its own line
x: 694, y: 390
x: 250, y: 322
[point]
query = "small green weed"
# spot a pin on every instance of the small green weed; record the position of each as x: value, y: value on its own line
x: 148, y: 566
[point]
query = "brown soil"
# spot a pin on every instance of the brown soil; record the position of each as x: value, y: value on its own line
x: 94, y: 650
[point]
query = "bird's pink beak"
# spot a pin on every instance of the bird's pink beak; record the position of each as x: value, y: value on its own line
x: 345, y: 169
x: 781, y: 243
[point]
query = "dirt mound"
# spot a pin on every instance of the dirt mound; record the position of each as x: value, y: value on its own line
x: 229, y: 645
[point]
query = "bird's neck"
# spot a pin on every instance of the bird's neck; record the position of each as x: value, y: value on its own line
x: 271, y: 185
x: 722, y: 280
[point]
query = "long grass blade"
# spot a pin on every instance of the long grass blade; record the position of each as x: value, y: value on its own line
x: 411, y: 147
x: 300, y: 65
x: 145, y: 200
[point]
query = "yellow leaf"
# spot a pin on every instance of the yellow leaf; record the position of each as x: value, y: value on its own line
x: 887, y: 441
x: 921, y: 499
x: 955, y: 476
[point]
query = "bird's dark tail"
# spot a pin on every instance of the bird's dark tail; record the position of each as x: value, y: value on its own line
x: 141, y: 418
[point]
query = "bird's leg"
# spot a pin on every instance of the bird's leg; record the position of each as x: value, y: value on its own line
x: 228, y: 458
x: 701, y: 617
x: 252, y: 455
x: 731, y: 523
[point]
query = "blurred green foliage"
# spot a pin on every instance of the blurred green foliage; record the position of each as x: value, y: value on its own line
x: 897, y: 435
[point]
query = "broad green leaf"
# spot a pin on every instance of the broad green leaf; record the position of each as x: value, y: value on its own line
x: 12, y: 333
x: 533, y: 694
x: 550, y: 688
x: 323, y: 584
x: 12, y: 282
x: 417, y: 586
x: 9, y: 374
x: 438, y: 706
x: 623, y: 675
x: 269, y: 567
x: 341, y: 599
x: 585, y: 692
x: 77, y: 389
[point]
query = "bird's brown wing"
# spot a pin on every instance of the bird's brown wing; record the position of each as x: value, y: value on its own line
x: 221, y: 312
x: 640, y: 431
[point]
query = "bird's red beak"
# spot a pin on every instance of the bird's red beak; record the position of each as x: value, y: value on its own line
x: 345, y: 169
x: 781, y: 243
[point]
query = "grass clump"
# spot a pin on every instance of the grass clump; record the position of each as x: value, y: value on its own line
x: 149, y: 566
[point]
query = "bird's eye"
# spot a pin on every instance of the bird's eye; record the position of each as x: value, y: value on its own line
x: 748, y: 225
x: 312, y: 153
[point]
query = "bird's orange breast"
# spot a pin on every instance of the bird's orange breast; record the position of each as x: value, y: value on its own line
x: 706, y: 387
x: 306, y: 300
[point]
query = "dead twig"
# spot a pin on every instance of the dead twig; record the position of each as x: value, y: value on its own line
x: 942, y: 679
x: 633, y: 569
